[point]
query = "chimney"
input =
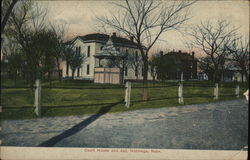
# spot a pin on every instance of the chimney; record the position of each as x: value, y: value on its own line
x: 114, y: 34
x: 193, y: 54
x: 132, y: 39
x: 161, y: 53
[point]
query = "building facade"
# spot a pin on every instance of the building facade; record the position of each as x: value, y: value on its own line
x: 233, y: 73
x: 176, y: 65
x: 92, y: 46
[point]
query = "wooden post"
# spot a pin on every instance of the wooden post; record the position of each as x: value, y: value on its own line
x: 127, y: 94
x: 216, y: 91
x: 237, y: 91
x: 181, y: 76
x: 180, y: 94
x: 38, y: 98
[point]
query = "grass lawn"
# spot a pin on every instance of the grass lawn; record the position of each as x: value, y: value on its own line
x: 79, y: 97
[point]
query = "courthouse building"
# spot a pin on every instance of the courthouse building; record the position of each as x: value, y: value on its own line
x: 100, y: 50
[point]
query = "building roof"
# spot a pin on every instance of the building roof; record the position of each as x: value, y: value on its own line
x: 103, y: 38
x: 108, y: 50
x: 232, y: 67
x: 180, y: 55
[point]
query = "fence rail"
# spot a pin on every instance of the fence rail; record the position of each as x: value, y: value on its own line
x: 120, y: 87
x: 128, y: 99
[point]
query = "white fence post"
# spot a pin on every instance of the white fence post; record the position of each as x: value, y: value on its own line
x: 237, y: 91
x: 181, y: 76
x: 38, y: 98
x: 180, y: 94
x: 216, y: 91
x: 127, y: 94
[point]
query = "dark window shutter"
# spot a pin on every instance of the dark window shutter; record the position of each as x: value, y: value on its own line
x: 88, y: 51
x: 87, y: 69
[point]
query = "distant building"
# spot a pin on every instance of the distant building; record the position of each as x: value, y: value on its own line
x: 98, y: 49
x: 202, y: 76
x: 183, y: 62
x: 234, y: 73
x: 230, y: 73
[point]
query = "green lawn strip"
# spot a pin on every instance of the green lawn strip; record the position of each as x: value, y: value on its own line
x: 17, y: 97
x: 78, y: 84
x: 65, y: 102
x: 65, y: 97
x: 11, y: 83
x: 57, y: 83
x: 25, y: 113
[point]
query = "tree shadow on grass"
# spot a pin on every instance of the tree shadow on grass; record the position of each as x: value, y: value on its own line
x: 46, y: 109
x: 153, y: 99
x: 52, y: 141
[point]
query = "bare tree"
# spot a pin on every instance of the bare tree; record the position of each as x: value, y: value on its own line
x: 212, y: 39
x: 153, y: 67
x: 206, y: 66
x: 13, y: 56
x: 59, y: 33
x: 73, y: 59
x: 135, y: 62
x: 27, y: 21
x: 6, y: 9
x: 240, y: 55
x: 146, y: 21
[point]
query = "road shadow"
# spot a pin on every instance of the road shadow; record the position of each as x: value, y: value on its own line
x: 52, y: 141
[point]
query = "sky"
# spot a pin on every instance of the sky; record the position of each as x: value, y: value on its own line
x: 80, y: 17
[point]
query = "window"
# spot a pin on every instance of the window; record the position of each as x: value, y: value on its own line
x: 78, y: 51
x: 88, y: 53
x: 87, y: 69
x: 101, y: 47
x: 136, y: 55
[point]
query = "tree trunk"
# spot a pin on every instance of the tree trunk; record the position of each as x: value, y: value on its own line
x: 216, y: 76
x: 49, y: 77
x: 122, y: 76
x: 58, y: 70
x: 33, y: 76
x: 245, y: 72
x: 7, y: 15
x: 32, y: 81
x: 15, y: 77
x: 136, y: 73
x: 223, y: 76
x: 242, y: 76
x: 67, y: 69
x: 122, y: 72
x: 73, y: 74
x: 145, y: 81
x: 26, y: 76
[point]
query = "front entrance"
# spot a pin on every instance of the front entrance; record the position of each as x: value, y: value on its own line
x: 107, y: 75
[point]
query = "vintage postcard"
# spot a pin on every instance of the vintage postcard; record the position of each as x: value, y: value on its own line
x: 124, y: 79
